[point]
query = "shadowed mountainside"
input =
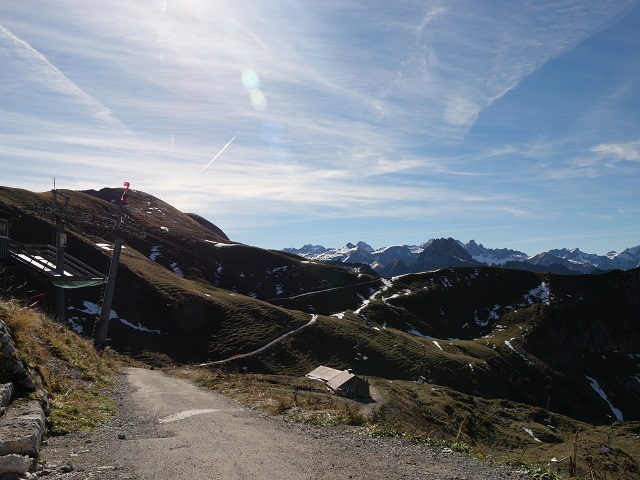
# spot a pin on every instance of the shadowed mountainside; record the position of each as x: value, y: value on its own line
x: 181, y: 288
x: 540, y: 339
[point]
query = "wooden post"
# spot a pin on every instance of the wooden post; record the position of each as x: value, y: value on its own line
x: 61, y: 243
x: 105, y: 310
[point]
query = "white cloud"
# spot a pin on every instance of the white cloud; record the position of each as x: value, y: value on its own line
x: 601, y: 160
x: 618, y: 151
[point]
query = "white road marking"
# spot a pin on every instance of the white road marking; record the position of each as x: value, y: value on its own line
x: 190, y: 413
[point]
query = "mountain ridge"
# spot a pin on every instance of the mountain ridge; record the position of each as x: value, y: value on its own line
x: 384, y: 260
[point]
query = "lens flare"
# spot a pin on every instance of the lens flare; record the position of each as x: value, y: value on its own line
x: 251, y: 83
x: 250, y: 79
x: 258, y: 100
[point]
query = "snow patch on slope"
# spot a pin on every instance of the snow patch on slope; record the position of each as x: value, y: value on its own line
x: 93, y: 309
x: 600, y: 391
x: 155, y: 253
x: 540, y: 294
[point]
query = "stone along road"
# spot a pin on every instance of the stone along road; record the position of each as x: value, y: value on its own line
x: 168, y: 428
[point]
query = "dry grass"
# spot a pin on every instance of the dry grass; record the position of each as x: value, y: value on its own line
x: 295, y: 397
x: 493, y: 430
x: 503, y: 431
x: 68, y: 368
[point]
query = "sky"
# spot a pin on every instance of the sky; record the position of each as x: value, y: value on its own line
x: 291, y: 122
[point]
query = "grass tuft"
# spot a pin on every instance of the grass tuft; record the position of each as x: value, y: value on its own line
x: 76, y: 377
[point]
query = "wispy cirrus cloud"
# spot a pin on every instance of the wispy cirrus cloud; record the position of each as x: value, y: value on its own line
x: 480, y: 52
x: 616, y: 152
x: 27, y: 64
x: 601, y: 160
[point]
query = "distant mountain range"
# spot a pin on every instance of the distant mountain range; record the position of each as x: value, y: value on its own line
x: 448, y: 252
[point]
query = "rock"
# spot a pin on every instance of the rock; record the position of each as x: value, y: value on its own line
x: 14, y: 464
x: 8, y: 364
x: 21, y: 429
x: 606, y: 449
x: 6, y: 392
x: 7, y: 349
x: 26, y: 383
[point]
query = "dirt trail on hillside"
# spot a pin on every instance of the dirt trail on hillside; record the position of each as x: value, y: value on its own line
x: 313, y: 320
x: 168, y: 428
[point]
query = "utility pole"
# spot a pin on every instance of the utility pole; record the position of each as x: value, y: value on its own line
x: 105, y: 310
x: 61, y: 243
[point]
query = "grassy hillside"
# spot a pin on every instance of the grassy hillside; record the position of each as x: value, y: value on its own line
x: 75, y: 377
x: 567, y: 343
x: 181, y: 288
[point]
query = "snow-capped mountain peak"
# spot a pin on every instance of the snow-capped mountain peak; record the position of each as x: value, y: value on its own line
x: 404, y: 258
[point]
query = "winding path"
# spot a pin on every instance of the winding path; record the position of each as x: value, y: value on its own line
x: 313, y: 320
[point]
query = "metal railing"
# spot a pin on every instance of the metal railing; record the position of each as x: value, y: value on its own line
x: 43, y: 259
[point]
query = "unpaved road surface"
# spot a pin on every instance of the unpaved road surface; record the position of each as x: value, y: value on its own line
x: 168, y: 428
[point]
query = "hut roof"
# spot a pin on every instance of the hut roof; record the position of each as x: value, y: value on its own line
x: 323, y: 373
x: 337, y: 381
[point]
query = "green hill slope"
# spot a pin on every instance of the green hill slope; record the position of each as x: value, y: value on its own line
x: 181, y: 288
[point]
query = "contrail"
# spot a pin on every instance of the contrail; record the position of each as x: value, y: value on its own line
x: 40, y: 69
x: 220, y: 152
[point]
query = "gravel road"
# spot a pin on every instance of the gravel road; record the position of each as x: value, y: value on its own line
x: 168, y: 428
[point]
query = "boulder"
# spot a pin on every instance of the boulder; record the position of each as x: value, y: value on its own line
x: 14, y: 464
x: 21, y: 428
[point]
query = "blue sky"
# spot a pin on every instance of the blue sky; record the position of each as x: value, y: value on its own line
x: 516, y: 124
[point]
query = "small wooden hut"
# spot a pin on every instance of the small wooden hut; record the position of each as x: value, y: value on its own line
x: 341, y: 382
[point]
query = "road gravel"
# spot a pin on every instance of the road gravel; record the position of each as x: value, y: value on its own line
x: 169, y: 428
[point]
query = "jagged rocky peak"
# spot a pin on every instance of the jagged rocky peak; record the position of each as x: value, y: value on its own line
x: 446, y: 247
x: 628, y: 258
x: 441, y: 253
x: 314, y: 248
x: 493, y: 256
x: 565, y: 252
x: 473, y: 248
x: 565, y: 260
x: 364, y: 246
x: 359, y: 256
x: 307, y: 249
x: 544, y: 258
